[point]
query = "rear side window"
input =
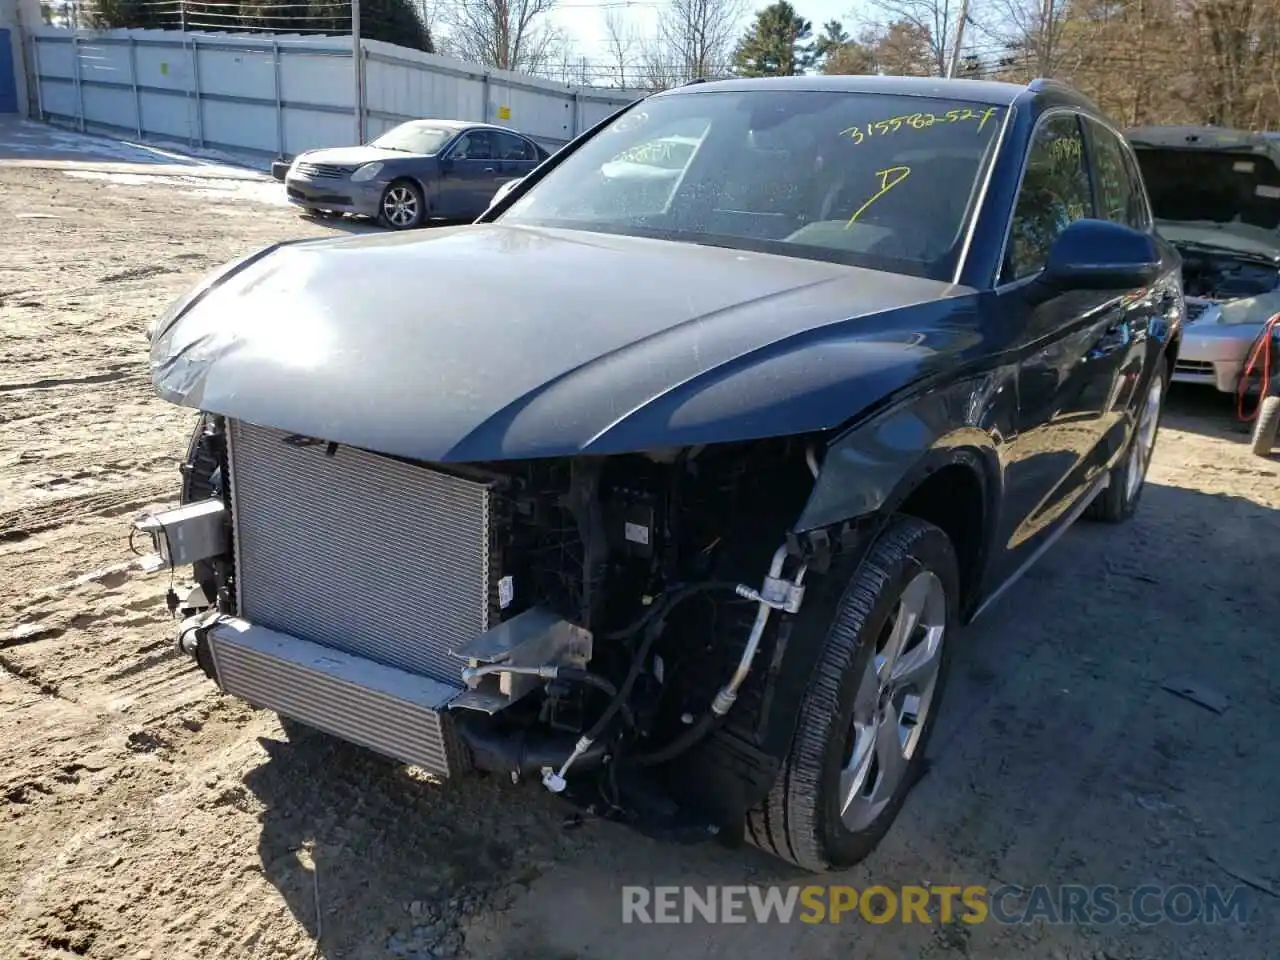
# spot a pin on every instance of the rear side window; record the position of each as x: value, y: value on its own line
x: 511, y: 147
x: 1119, y: 192
x: 1055, y: 192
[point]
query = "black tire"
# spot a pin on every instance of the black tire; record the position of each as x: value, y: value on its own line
x: 396, y: 200
x: 1119, y: 499
x: 800, y: 820
x: 1265, y: 426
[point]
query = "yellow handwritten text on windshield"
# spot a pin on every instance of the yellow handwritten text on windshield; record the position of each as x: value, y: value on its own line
x: 1066, y: 149
x: 918, y: 121
x: 890, y: 177
x: 655, y: 152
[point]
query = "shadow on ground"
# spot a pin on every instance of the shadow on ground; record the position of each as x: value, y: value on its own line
x: 1206, y: 411
x: 362, y: 225
x: 1060, y: 757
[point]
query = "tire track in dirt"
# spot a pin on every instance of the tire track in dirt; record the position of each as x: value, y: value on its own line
x: 25, y: 521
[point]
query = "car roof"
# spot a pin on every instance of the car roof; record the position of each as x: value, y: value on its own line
x: 461, y: 125
x: 968, y: 91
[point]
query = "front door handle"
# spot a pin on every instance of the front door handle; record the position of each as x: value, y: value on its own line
x: 488, y: 169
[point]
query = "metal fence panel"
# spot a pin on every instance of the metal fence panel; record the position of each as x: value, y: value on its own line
x: 280, y: 95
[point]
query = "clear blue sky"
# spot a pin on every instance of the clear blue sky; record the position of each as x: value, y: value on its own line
x: 584, y: 20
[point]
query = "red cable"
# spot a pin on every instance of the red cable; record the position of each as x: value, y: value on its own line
x: 1261, y: 347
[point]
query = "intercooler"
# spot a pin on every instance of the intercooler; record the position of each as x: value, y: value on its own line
x: 386, y: 563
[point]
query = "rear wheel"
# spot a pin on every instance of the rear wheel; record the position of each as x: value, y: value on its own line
x: 1119, y: 500
x: 866, y: 717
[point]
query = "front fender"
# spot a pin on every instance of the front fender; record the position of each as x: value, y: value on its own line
x: 869, y: 472
x: 874, y: 465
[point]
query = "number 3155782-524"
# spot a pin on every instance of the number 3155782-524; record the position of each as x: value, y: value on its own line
x: 918, y: 121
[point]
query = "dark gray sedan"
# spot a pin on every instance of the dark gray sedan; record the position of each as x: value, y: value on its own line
x: 447, y: 169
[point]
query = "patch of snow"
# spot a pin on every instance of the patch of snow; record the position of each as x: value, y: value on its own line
x: 38, y: 140
x: 206, y: 187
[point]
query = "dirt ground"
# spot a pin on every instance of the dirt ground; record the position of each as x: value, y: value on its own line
x: 144, y: 815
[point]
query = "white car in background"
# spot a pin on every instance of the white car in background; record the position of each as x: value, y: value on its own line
x: 1215, y: 194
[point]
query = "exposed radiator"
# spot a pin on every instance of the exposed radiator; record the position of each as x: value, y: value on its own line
x: 398, y: 714
x: 362, y: 553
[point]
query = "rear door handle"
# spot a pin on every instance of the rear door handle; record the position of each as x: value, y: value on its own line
x: 488, y: 169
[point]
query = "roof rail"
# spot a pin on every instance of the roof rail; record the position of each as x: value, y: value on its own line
x: 689, y: 83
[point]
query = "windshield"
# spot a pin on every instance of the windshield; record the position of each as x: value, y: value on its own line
x: 1212, y: 187
x: 414, y: 137
x: 866, y: 179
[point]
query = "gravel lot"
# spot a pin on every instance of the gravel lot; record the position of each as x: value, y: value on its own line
x: 143, y: 815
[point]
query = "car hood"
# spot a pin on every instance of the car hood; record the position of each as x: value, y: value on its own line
x: 1225, y: 179
x: 490, y: 342
x: 1242, y: 239
x: 352, y: 156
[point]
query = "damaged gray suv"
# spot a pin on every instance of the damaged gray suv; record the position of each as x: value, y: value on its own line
x: 666, y: 484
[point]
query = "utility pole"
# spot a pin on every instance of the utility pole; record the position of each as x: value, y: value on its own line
x: 954, y: 60
x: 357, y: 61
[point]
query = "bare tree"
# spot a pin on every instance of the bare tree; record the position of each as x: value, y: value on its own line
x: 695, y: 38
x: 507, y: 34
x: 430, y: 12
x: 1036, y: 34
x: 622, y: 40
x: 933, y: 20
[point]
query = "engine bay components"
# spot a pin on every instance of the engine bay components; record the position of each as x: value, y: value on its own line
x: 186, y: 534
x: 503, y: 663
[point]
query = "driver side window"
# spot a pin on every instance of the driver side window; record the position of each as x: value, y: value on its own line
x: 1055, y: 191
x: 473, y: 146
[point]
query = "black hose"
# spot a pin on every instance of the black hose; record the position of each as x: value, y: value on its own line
x: 600, y: 683
x: 652, y: 619
x: 619, y: 702
x: 665, y: 603
x: 688, y: 738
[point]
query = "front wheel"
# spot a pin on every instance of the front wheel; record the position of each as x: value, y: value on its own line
x: 1119, y: 499
x: 865, y: 719
x: 402, y: 206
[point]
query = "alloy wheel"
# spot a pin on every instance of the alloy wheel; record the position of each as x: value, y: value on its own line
x: 1145, y: 441
x: 893, y: 701
x: 400, y: 206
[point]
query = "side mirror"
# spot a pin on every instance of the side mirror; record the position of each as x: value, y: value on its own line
x: 1101, y: 255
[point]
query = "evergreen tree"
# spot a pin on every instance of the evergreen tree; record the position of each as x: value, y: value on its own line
x: 833, y: 37
x: 776, y: 45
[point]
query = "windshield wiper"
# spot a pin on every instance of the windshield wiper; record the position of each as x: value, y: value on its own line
x: 1223, y: 248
